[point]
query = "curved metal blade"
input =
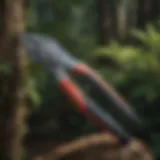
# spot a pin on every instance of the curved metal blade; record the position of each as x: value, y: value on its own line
x: 47, y: 51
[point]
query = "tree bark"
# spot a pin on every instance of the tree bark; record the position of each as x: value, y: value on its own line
x: 126, y: 17
x: 13, y: 89
x: 107, y: 27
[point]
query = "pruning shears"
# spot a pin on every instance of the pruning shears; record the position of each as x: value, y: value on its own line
x: 118, y: 116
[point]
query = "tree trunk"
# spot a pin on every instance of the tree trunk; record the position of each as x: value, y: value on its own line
x: 107, y: 27
x: 148, y: 11
x: 13, y: 82
x: 126, y: 18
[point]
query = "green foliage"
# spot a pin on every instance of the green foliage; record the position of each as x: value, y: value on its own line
x: 150, y: 38
x: 136, y: 64
x: 131, y: 56
x: 36, y: 84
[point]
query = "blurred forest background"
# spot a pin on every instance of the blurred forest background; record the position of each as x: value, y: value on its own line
x: 119, y: 38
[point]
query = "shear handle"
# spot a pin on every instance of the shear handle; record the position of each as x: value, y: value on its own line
x: 102, y: 119
x: 118, y: 108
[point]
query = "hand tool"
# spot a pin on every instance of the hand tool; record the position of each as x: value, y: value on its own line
x: 70, y: 72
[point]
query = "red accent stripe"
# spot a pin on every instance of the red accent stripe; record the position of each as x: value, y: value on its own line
x: 71, y: 90
x: 84, y: 69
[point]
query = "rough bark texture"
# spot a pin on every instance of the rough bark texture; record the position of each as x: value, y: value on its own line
x: 12, y: 90
x: 98, y: 147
